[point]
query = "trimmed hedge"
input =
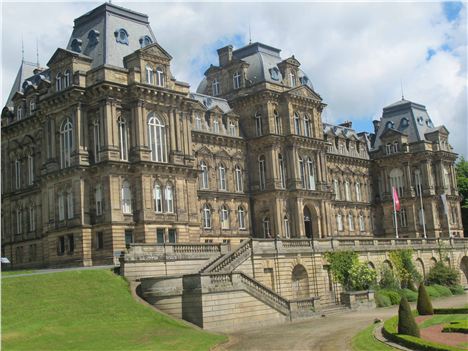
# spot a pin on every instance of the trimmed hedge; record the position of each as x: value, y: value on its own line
x: 410, y: 295
x: 456, y: 310
x: 442, y: 290
x: 424, y: 305
x: 393, y: 295
x: 382, y: 300
x: 456, y: 327
x: 406, y: 322
x: 432, y: 291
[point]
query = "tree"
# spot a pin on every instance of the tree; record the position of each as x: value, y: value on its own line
x: 424, y: 305
x: 403, y: 262
x: 442, y: 275
x: 340, y: 264
x: 406, y: 322
x: 361, y: 277
x: 462, y: 180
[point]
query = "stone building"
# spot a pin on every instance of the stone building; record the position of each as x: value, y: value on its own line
x: 105, y: 147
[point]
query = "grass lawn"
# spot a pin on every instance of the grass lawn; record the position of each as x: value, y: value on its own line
x: 442, y: 319
x: 365, y: 341
x: 17, y: 272
x: 457, y: 326
x: 88, y: 310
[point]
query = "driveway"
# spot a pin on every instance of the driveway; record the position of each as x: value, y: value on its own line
x: 333, y: 333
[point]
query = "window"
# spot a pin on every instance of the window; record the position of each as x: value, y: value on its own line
x: 157, y: 197
x: 417, y: 182
x: 311, y: 174
x: 446, y: 179
x: 123, y: 138
x: 71, y: 243
x: 302, y: 173
x: 157, y: 138
x: 292, y: 79
x: 99, y: 240
x: 149, y: 74
x: 206, y: 217
x: 261, y: 172
x: 198, y: 124
x: 19, y: 221
x: 172, y: 236
x: 306, y: 126
x: 159, y: 77
x: 277, y: 122
x: 32, y: 106
x: 404, y: 123
x: 58, y: 82
x: 275, y: 73
x: 203, y: 175
x: 32, y: 218
x: 97, y: 139
x: 266, y: 227
x: 403, y: 218
x: 121, y: 36
x: 66, y: 143
x: 98, y: 198
x: 339, y: 222
x: 222, y: 177
x: 347, y: 191
x: 297, y: 128
x: 70, y: 210
x: 396, y: 147
x: 351, y: 222
x: 282, y: 172
x: 232, y: 128
x: 215, y: 87
x: 238, y: 177
x: 358, y: 191
x: 224, y: 217
x: 169, y: 197
x: 336, y: 186
x: 66, y: 79
x: 258, y: 124
x: 61, y: 245
x: 145, y: 40
x: 128, y: 238
x: 241, y: 217
x: 362, y: 225
x: 389, y: 125
x: 126, y: 198
x: 287, y: 232
x: 93, y: 37
x: 160, y: 236
x: 236, y: 80
x: 388, y: 149
x: 61, y: 206
x: 215, y: 125
x: 17, y: 174
x: 396, y: 180
x: 19, y: 113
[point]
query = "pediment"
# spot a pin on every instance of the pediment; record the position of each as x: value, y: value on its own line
x: 61, y: 54
x: 442, y: 130
x: 157, y: 51
x: 292, y: 61
x: 222, y: 154
x: 390, y: 133
x: 211, y: 69
x: 216, y: 109
x: 304, y: 91
x: 203, y: 151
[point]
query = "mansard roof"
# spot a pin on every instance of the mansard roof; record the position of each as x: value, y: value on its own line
x: 210, y: 102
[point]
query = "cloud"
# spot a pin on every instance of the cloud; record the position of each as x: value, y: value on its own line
x: 355, y: 53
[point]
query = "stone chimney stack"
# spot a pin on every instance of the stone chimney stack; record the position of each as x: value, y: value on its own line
x: 376, y: 124
x: 347, y: 124
x: 225, y: 55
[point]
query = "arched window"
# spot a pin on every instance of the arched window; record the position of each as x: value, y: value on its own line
x: 292, y: 79
x: 258, y: 124
x: 351, y: 222
x: 277, y: 122
x: 58, y: 82
x: 388, y: 148
x: 336, y: 186
x: 287, y: 232
x: 222, y: 177
x: 266, y: 227
x: 206, y: 217
x: 297, y: 125
x: 358, y: 191
x: 362, y: 225
x: 347, y: 191
x: 145, y: 40
x: 159, y: 77
x: 396, y: 147
x: 97, y: 139
x: 66, y: 142
x: 302, y: 172
x: 232, y: 128
x: 311, y: 174
x: 66, y: 79
x: 157, y: 138
x: 169, y: 195
x: 403, y: 218
x: 236, y: 80
x: 339, y: 222
x: 19, y: 113
x: 282, y: 171
x: 30, y: 169
x: 396, y: 180
x: 149, y: 74
x: 98, y: 199
x: 70, y: 210
x: 123, y: 138
x: 198, y: 122
x: 215, y: 125
x: 215, y: 87
x: 121, y: 36
x: 157, y: 197
x: 261, y: 172
x: 224, y: 217
x: 238, y: 176
x: 241, y: 217
x: 61, y: 206
x: 126, y: 198
x: 203, y: 175
x: 306, y: 126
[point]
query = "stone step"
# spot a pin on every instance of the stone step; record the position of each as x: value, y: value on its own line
x: 329, y: 310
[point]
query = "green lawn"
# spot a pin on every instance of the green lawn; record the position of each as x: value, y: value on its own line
x: 442, y: 319
x: 88, y: 310
x: 365, y: 341
x: 17, y: 272
x: 457, y: 326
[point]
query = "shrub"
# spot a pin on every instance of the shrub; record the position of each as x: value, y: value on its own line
x: 388, y: 280
x: 442, y: 290
x: 406, y: 322
x: 340, y: 264
x: 457, y: 289
x: 410, y: 295
x: 442, y: 275
x: 361, y: 277
x: 432, y: 291
x: 393, y: 295
x: 382, y: 300
x: 456, y: 310
x: 424, y: 305
x: 406, y: 271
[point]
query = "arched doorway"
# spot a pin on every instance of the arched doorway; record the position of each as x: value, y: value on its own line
x: 464, y: 269
x: 300, y: 282
x: 420, y: 268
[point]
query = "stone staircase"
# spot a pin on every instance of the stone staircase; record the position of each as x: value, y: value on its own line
x: 230, y: 261
x: 332, y: 309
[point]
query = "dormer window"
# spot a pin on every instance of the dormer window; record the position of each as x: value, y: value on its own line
x: 149, y: 75
x: 388, y: 149
x: 19, y: 113
x: 215, y: 126
x: 198, y: 124
x: 93, y: 37
x: 32, y: 106
x: 404, y: 123
x: 121, y: 36
x: 215, y: 87
x: 159, y: 77
x: 292, y: 79
x: 275, y: 73
x: 429, y: 123
x: 389, y: 125
x: 236, y: 80
x: 76, y: 45
x: 232, y: 128
x: 146, y: 40
x: 420, y: 120
x: 304, y: 80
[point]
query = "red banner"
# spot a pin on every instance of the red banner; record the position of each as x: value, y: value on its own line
x: 396, y: 200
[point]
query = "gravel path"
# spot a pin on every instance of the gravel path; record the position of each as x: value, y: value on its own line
x: 333, y: 333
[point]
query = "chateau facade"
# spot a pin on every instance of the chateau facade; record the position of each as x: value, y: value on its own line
x: 105, y: 147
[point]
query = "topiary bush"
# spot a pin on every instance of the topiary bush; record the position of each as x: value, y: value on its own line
x: 406, y: 322
x: 457, y: 290
x: 442, y: 290
x: 442, y: 275
x: 382, y: 300
x: 410, y: 295
x: 424, y: 305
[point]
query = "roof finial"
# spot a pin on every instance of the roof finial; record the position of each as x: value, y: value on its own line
x: 250, y: 35
x: 37, y: 52
x: 22, y: 48
x: 401, y: 86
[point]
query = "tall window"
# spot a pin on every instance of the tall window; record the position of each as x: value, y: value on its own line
x: 306, y: 126
x: 311, y: 174
x: 58, y: 82
x: 97, y: 139
x: 302, y: 173
x: 149, y: 75
x: 417, y: 182
x: 169, y: 195
x: 157, y: 139
x: 203, y: 175
x: 446, y: 179
x: 19, y: 113
x: 292, y: 79
x: 32, y: 218
x: 297, y: 125
x: 123, y: 137
x: 232, y: 128
x: 19, y: 221
x: 215, y: 87
x: 222, y: 177
x: 388, y: 149
x: 282, y: 171
x: 66, y: 79
x: 206, y: 217
x: 157, y: 196
x: 258, y: 124
x: 403, y: 218
x: 347, y: 191
x: 224, y: 217
x: 66, y: 142
x: 396, y: 180
x: 286, y: 229
x: 32, y: 106
x: 215, y: 125
x: 339, y: 222
x: 126, y: 198
x: 238, y: 176
x: 61, y: 206
x: 277, y: 122
x: 17, y: 174
x: 159, y: 77
x: 98, y: 198
x: 198, y: 122
x: 362, y: 225
x: 236, y: 80
x: 358, y: 191
x: 241, y: 217
x: 70, y: 209
x: 351, y: 222
x: 336, y: 186
x: 261, y: 172
x: 266, y: 227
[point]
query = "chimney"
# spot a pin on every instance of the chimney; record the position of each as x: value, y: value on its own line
x: 347, y: 124
x: 225, y: 55
x: 376, y: 124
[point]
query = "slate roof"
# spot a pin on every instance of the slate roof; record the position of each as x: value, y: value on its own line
x: 210, y: 102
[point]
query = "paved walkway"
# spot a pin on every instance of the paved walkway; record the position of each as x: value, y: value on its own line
x: 333, y: 333
x: 56, y: 270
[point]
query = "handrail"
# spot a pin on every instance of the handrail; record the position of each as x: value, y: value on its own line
x: 218, y: 266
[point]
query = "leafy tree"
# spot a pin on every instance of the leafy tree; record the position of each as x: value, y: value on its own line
x: 406, y: 322
x: 388, y: 280
x: 361, y: 277
x: 424, y: 305
x: 406, y: 271
x: 340, y: 264
x: 442, y: 275
x: 462, y: 179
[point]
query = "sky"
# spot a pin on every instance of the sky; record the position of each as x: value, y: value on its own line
x: 359, y: 56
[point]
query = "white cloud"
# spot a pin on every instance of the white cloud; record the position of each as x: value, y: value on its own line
x: 354, y: 53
